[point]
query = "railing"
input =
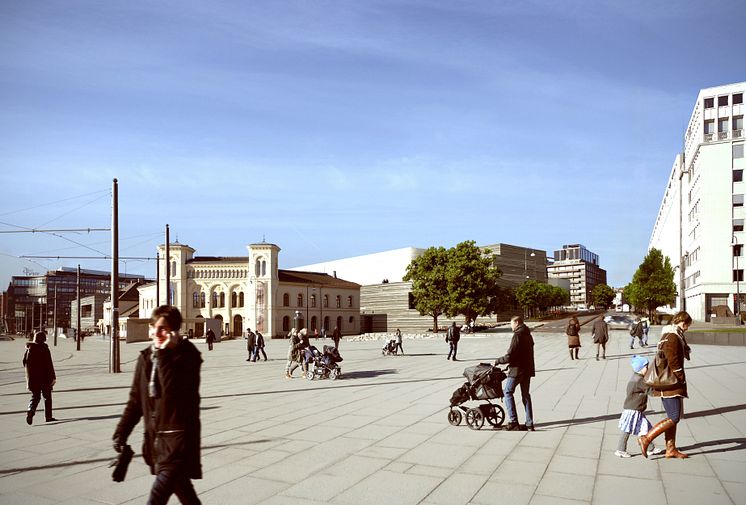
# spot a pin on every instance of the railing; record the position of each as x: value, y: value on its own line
x: 737, y: 134
x: 708, y: 137
x: 722, y: 135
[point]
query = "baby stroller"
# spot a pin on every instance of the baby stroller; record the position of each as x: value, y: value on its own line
x: 323, y: 364
x: 389, y: 348
x: 484, y: 383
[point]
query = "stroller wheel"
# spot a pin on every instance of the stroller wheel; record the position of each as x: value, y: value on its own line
x: 334, y: 373
x: 454, y: 417
x: 494, y: 414
x: 309, y: 375
x: 475, y: 419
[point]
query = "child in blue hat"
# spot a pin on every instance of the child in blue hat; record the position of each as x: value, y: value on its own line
x: 633, y: 420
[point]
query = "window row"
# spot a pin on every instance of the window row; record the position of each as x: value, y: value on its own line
x: 313, y: 327
x: 723, y: 100
x: 218, y: 299
x: 312, y: 301
x: 724, y: 124
x: 216, y: 274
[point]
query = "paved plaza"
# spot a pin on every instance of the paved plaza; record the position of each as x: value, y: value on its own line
x: 379, y: 435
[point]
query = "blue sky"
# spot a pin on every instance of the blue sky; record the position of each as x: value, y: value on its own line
x: 338, y: 128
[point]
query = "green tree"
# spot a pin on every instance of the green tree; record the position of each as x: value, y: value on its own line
x: 528, y: 295
x: 430, y: 283
x: 652, y: 285
x: 472, y: 281
x: 603, y: 295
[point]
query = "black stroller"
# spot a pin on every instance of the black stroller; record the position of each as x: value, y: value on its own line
x: 484, y: 383
x: 323, y: 364
x: 389, y: 348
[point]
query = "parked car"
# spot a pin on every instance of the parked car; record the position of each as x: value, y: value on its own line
x: 619, y: 322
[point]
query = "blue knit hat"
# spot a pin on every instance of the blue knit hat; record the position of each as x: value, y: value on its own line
x: 639, y: 362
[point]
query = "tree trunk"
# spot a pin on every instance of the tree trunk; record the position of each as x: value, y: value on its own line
x: 435, y: 324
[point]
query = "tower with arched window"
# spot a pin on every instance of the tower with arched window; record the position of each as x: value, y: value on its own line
x: 262, y: 288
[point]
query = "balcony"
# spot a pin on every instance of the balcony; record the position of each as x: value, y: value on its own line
x: 737, y: 134
x: 722, y: 135
x: 708, y: 137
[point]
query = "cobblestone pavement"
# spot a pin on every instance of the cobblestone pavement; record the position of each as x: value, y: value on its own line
x: 379, y: 434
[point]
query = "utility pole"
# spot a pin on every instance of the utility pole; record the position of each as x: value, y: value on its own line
x: 114, y: 354
x: 77, y: 291
x: 168, y: 269
x: 157, y: 278
x: 55, y: 313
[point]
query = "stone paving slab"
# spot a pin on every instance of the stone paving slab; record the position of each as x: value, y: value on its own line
x: 379, y: 434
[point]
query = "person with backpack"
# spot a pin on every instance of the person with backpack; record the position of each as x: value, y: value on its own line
x: 573, y: 337
x: 453, y: 335
x: 636, y: 331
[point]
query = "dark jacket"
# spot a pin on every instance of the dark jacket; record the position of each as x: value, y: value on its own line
x: 250, y: 340
x: 573, y: 333
x: 600, y: 331
x: 675, y: 350
x: 210, y: 337
x: 637, y: 393
x: 171, y: 422
x: 39, y: 367
x: 259, y: 340
x: 637, y: 330
x: 294, y: 349
x: 453, y: 334
x: 520, y: 355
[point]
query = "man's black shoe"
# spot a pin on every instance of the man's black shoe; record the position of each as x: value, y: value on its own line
x: 512, y: 427
x: 51, y: 419
x: 29, y: 417
x: 530, y: 427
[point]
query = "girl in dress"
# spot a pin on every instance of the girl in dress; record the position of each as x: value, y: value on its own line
x: 633, y: 420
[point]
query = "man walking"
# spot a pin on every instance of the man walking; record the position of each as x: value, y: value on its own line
x: 250, y: 343
x: 259, y: 347
x: 210, y: 338
x: 600, y: 334
x: 453, y: 335
x: 520, y: 361
x: 165, y: 393
x: 636, y: 331
x: 336, y: 335
x: 40, y: 376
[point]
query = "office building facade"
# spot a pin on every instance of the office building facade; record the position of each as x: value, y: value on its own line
x: 580, y: 267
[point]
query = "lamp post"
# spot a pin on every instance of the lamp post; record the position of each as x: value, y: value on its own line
x: 737, y: 305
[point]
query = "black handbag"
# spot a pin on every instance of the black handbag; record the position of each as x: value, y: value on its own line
x: 121, y: 463
x: 660, y: 376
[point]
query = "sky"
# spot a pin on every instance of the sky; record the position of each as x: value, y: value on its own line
x: 338, y: 128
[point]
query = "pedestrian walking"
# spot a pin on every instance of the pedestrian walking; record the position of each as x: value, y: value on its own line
x: 259, y: 346
x: 336, y: 336
x: 210, y: 338
x: 397, y: 335
x: 453, y: 335
x: 674, y: 350
x: 295, y: 354
x: 250, y: 343
x: 573, y: 337
x: 633, y: 420
x: 600, y: 334
x: 520, y: 361
x: 40, y: 376
x: 645, y: 330
x: 636, y: 332
x: 165, y: 394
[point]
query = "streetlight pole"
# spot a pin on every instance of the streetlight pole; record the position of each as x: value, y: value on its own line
x: 737, y: 305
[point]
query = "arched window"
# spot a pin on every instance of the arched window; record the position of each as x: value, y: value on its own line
x: 352, y: 319
x: 234, y: 299
x: 222, y: 299
x: 214, y: 302
x: 173, y: 269
x: 264, y: 268
x: 286, y: 323
x: 240, y: 299
x: 349, y: 301
x: 195, y: 300
x: 202, y: 299
x: 286, y: 300
x: 313, y: 301
x: 339, y: 301
x: 326, y: 301
x: 300, y: 300
x: 339, y: 323
x: 313, y: 323
x: 326, y: 323
x: 258, y: 267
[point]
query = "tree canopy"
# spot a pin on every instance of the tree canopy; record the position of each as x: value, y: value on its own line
x: 461, y: 280
x: 653, y: 284
x: 533, y: 295
x: 603, y: 295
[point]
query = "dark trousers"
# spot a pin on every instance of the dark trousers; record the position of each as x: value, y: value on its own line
x: 398, y: 346
x: 452, y: 350
x: 257, y: 350
x: 36, y: 395
x: 168, y: 481
x: 209, y: 345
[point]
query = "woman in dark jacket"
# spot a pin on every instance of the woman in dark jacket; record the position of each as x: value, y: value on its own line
x: 573, y: 337
x: 675, y: 350
x: 165, y: 394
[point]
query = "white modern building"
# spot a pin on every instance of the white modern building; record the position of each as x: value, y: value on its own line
x: 701, y: 218
x: 580, y: 268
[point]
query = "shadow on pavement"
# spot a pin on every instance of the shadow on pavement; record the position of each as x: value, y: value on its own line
x: 736, y: 444
x: 716, y: 364
x: 366, y: 374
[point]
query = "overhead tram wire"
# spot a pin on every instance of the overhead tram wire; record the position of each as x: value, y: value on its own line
x: 35, y: 230
x: 108, y: 191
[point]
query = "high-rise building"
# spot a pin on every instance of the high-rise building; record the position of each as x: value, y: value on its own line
x: 701, y: 218
x: 580, y: 266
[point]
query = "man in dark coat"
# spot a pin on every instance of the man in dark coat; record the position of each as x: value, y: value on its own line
x: 250, y: 343
x: 520, y: 360
x: 210, y: 338
x: 165, y: 393
x: 40, y: 376
x: 336, y: 335
x: 453, y: 335
x: 600, y: 334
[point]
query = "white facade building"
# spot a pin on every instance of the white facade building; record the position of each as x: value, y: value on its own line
x: 578, y: 266
x: 701, y: 218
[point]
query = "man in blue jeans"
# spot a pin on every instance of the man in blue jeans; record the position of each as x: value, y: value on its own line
x: 520, y: 361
